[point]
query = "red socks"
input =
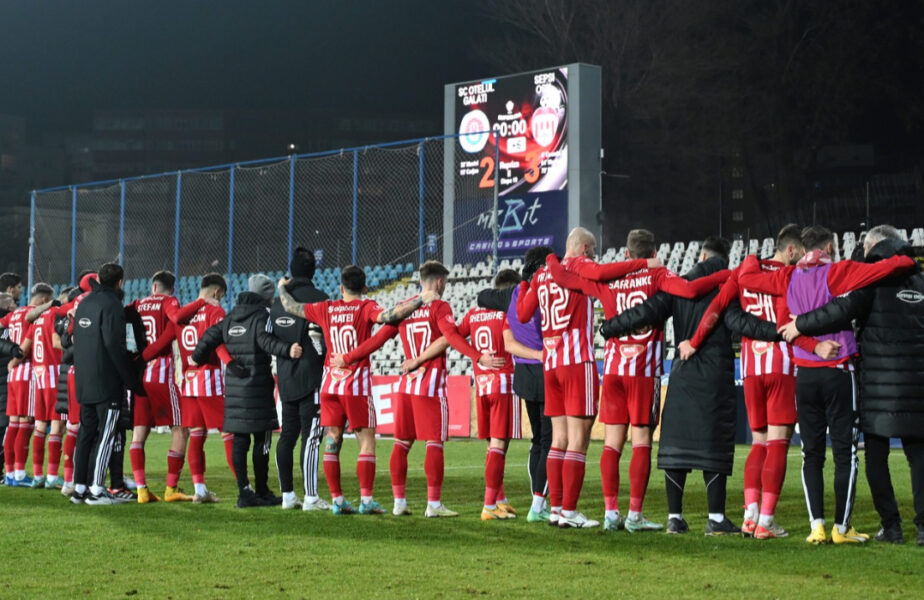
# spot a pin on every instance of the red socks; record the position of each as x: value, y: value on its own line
x: 493, y: 475
x: 136, y: 452
x: 572, y: 477
x: 54, y: 455
x: 174, y: 467
x: 70, y: 444
x: 228, y: 439
x: 433, y: 467
x: 38, y: 453
x: 398, y: 467
x: 773, y: 474
x: 609, y: 476
x: 9, y: 447
x: 365, y: 472
x: 639, y: 472
x: 332, y: 473
x: 197, y: 455
x: 554, y: 465
x: 753, y: 468
x: 22, y: 445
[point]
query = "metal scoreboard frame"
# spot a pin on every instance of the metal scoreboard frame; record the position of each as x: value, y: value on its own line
x: 511, y: 106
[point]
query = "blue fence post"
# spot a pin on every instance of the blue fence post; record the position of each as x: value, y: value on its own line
x: 31, y: 243
x: 230, y: 234
x: 420, y: 202
x: 176, y: 225
x: 73, y: 235
x: 355, y: 201
x: 291, y: 202
x: 122, y: 223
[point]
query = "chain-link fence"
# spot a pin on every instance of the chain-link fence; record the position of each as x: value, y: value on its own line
x: 381, y: 207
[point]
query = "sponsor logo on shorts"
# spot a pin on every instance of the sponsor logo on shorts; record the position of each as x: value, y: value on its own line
x: 910, y: 296
x: 237, y: 331
x: 759, y: 347
x: 630, y: 350
x: 84, y: 322
x: 285, y: 321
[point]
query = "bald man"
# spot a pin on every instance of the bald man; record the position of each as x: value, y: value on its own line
x: 572, y: 385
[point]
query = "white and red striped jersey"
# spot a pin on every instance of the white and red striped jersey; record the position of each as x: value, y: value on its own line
x: 155, y: 311
x: 19, y: 330
x: 567, y: 317
x: 486, y: 329
x: 346, y: 325
x: 634, y: 355
x: 46, y: 359
x: 418, y: 331
x: 206, y: 379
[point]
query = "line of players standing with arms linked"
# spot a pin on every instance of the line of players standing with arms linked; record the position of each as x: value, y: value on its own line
x: 530, y: 339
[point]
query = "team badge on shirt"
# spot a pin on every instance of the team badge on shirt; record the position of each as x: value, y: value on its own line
x: 551, y: 343
x: 339, y: 374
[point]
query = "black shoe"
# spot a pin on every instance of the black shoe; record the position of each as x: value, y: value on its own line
x: 103, y: 499
x: 677, y: 526
x: 246, y: 498
x: 78, y: 498
x: 123, y: 496
x: 920, y: 535
x: 726, y: 527
x: 891, y: 534
x: 268, y: 498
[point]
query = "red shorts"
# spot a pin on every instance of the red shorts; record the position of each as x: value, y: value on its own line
x: 572, y: 390
x: 632, y: 400
x: 499, y: 417
x: 73, y: 408
x: 770, y: 400
x: 20, y: 400
x: 202, y: 411
x: 45, y: 400
x: 337, y: 410
x: 159, y: 407
x: 421, y: 418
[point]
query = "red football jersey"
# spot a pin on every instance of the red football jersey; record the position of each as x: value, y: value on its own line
x: 43, y: 350
x: 206, y: 379
x: 19, y: 330
x: 346, y: 324
x: 154, y: 311
x: 567, y: 317
x: 423, y: 327
x: 633, y: 354
x: 760, y: 357
x: 486, y: 329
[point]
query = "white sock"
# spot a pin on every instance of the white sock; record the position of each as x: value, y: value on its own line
x: 568, y: 513
x: 435, y: 503
x: 538, y: 503
x: 200, y: 489
x: 338, y: 500
x: 141, y: 487
x: 817, y: 522
x: 610, y: 514
x: 634, y: 516
x: 717, y: 517
x: 502, y: 500
x: 678, y: 516
x: 19, y: 474
x: 555, y: 509
x: 490, y: 506
x: 400, y: 502
x: 288, y: 497
x: 751, y: 510
x: 365, y: 499
x: 96, y: 490
x: 765, y: 520
x: 311, y: 499
x: 841, y: 528
x: 80, y: 488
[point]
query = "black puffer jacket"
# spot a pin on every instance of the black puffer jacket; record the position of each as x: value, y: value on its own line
x: 249, y: 405
x: 698, y: 421
x: 300, y: 377
x: 7, y: 350
x: 101, y: 365
x: 62, y: 325
x: 890, y: 320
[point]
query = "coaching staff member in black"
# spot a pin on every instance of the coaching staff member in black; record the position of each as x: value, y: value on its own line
x: 102, y: 374
x: 299, y: 380
x: 890, y: 320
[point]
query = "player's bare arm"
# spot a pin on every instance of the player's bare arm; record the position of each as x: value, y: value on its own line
x: 432, y: 351
x: 36, y: 312
x: 401, y: 311
x: 519, y: 350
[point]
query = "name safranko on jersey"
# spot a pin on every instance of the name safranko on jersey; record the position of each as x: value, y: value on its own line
x: 630, y: 282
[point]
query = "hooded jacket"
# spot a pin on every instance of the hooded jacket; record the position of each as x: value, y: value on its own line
x: 101, y: 367
x: 299, y: 377
x: 249, y: 404
x: 698, y: 421
x: 890, y: 322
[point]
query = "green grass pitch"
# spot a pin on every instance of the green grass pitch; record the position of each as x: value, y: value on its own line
x: 52, y: 549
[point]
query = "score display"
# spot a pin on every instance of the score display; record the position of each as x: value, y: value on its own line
x: 528, y: 113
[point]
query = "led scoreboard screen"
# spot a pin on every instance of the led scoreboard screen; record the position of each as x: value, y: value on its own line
x: 513, y: 134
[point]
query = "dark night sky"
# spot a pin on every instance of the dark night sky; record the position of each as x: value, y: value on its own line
x: 62, y: 59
